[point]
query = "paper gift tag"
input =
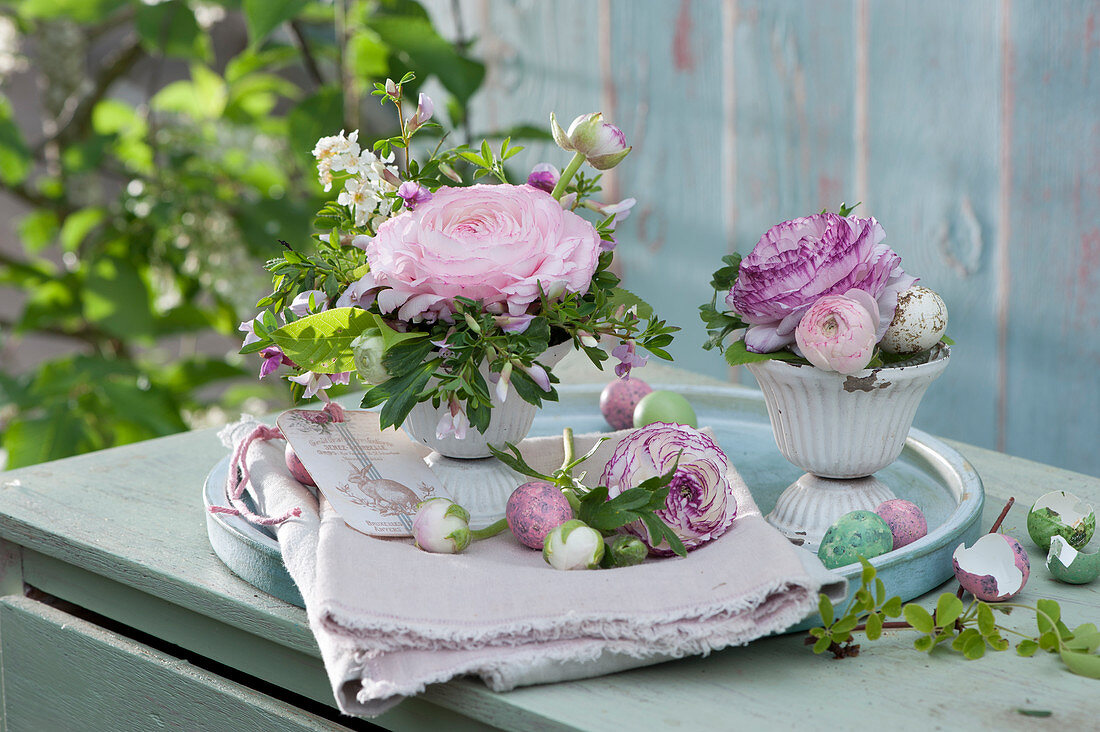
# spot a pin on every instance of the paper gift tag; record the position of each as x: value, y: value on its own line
x: 373, y: 478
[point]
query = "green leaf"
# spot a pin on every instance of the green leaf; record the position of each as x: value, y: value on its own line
x: 924, y: 643
x: 1053, y: 612
x: 987, y: 624
x: 322, y: 342
x: 974, y: 647
x: 823, y: 644
x: 15, y: 156
x: 1035, y: 712
x: 845, y: 624
x: 996, y: 642
x: 948, y: 609
x: 170, y: 29
x: 825, y: 608
x: 737, y: 354
x: 1084, y: 641
x: 620, y: 297
x: 202, y: 98
x: 60, y: 433
x: 1082, y: 664
x: 867, y: 572
x: 78, y: 225
x: 403, y: 396
x: 38, y: 229
x: 1048, y: 641
x: 116, y: 298
x: 1027, y: 648
x: 263, y: 16
x: 874, y: 626
x: 417, y: 45
x: 368, y: 55
x: 892, y: 607
x: 78, y: 11
x: 919, y: 618
x: 880, y: 591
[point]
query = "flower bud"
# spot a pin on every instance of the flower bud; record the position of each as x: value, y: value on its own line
x: 424, y: 110
x: 837, y: 333
x: 441, y: 526
x: 626, y: 551
x: 544, y: 176
x: 573, y: 545
x: 450, y: 172
x: 391, y: 88
x: 601, y: 143
x: 368, y: 348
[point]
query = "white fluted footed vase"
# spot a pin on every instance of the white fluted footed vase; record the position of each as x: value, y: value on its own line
x: 838, y: 426
x: 510, y: 421
x: 840, y: 429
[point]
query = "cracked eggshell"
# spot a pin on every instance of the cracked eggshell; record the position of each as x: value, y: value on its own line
x: 905, y: 519
x: 1066, y: 564
x: 996, y: 568
x: 920, y: 321
x: 855, y: 534
x: 618, y: 399
x: 1063, y: 514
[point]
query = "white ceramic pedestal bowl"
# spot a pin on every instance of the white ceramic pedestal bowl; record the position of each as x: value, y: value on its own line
x: 840, y: 429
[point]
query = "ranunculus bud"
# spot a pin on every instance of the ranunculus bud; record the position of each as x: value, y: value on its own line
x: 573, y: 545
x: 441, y: 526
x: 626, y: 551
x: 368, y: 348
x: 837, y: 333
x: 544, y: 176
x: 602, y: 144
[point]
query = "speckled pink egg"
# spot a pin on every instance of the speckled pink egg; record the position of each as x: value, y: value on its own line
x: 905, y: 519
x: 534, y: 510
x: 996, y: 568
x: 296, y: 468
x: 618, y: 399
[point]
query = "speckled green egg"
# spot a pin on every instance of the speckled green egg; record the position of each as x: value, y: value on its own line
x: 1066, y: 564
x: 854, y: 535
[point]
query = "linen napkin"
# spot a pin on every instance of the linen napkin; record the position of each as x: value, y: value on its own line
x: 391, y: 619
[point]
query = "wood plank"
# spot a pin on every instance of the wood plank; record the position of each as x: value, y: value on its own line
x: 91, y: 678
x: 795, y: 117
x: 1052, y: 203
x: 11, y: 569
x: 933, y: 147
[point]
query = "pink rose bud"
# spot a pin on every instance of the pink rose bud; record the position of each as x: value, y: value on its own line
x: 441, y: 526
x: 837, y: 333
x: 602, y: 144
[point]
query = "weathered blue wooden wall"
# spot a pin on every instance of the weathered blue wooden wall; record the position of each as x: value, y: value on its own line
x: 970, y: 129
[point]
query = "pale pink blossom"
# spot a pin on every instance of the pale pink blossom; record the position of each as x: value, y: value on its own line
x: 308, y: 301
x: 837, y: 333
x: 316, y: 383
x: 494, y: 243
x: 453, y: 422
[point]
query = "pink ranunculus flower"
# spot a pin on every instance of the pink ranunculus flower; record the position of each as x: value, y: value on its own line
x: 494, y: 243
x: 701, y: 505
x: 837, y: 333
x: 797, y: 262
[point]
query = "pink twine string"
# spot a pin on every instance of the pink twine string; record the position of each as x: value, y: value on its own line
x: 239, y: 475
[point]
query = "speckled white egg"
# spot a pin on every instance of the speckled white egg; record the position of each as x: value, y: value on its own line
x: 919, y: 322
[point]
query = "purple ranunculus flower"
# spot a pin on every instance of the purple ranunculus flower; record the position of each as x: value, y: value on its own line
x: 700, y: 505
x: 798, y: 261
x: 544, y: 176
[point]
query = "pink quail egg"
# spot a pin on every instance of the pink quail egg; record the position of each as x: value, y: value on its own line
x: 905, y: 519
x: 296, y: 468
x: 996, y: 568
x: 1061, y: 514
x: 664, y: 406
x: 919, y: 322
x: 534, y: 510
x: 1066, y: 564
x: 618, y: 399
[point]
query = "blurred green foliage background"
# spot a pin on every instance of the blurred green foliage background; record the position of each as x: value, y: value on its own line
x: 168, y: 154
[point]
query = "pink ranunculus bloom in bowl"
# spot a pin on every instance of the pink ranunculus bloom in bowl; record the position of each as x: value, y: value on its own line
x: 494, y: 243
x: 837, y: 333
x: 799, y: 261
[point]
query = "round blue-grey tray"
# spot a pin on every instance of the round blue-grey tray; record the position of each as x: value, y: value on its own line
x: 929, y: 473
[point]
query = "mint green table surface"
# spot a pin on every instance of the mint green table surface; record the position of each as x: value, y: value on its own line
x: 121, y: 533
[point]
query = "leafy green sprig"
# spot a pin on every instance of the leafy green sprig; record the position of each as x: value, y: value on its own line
x: 591, y: 504
x: 967, y: 629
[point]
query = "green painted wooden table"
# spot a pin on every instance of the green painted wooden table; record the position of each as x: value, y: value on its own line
x: 150, y: 624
